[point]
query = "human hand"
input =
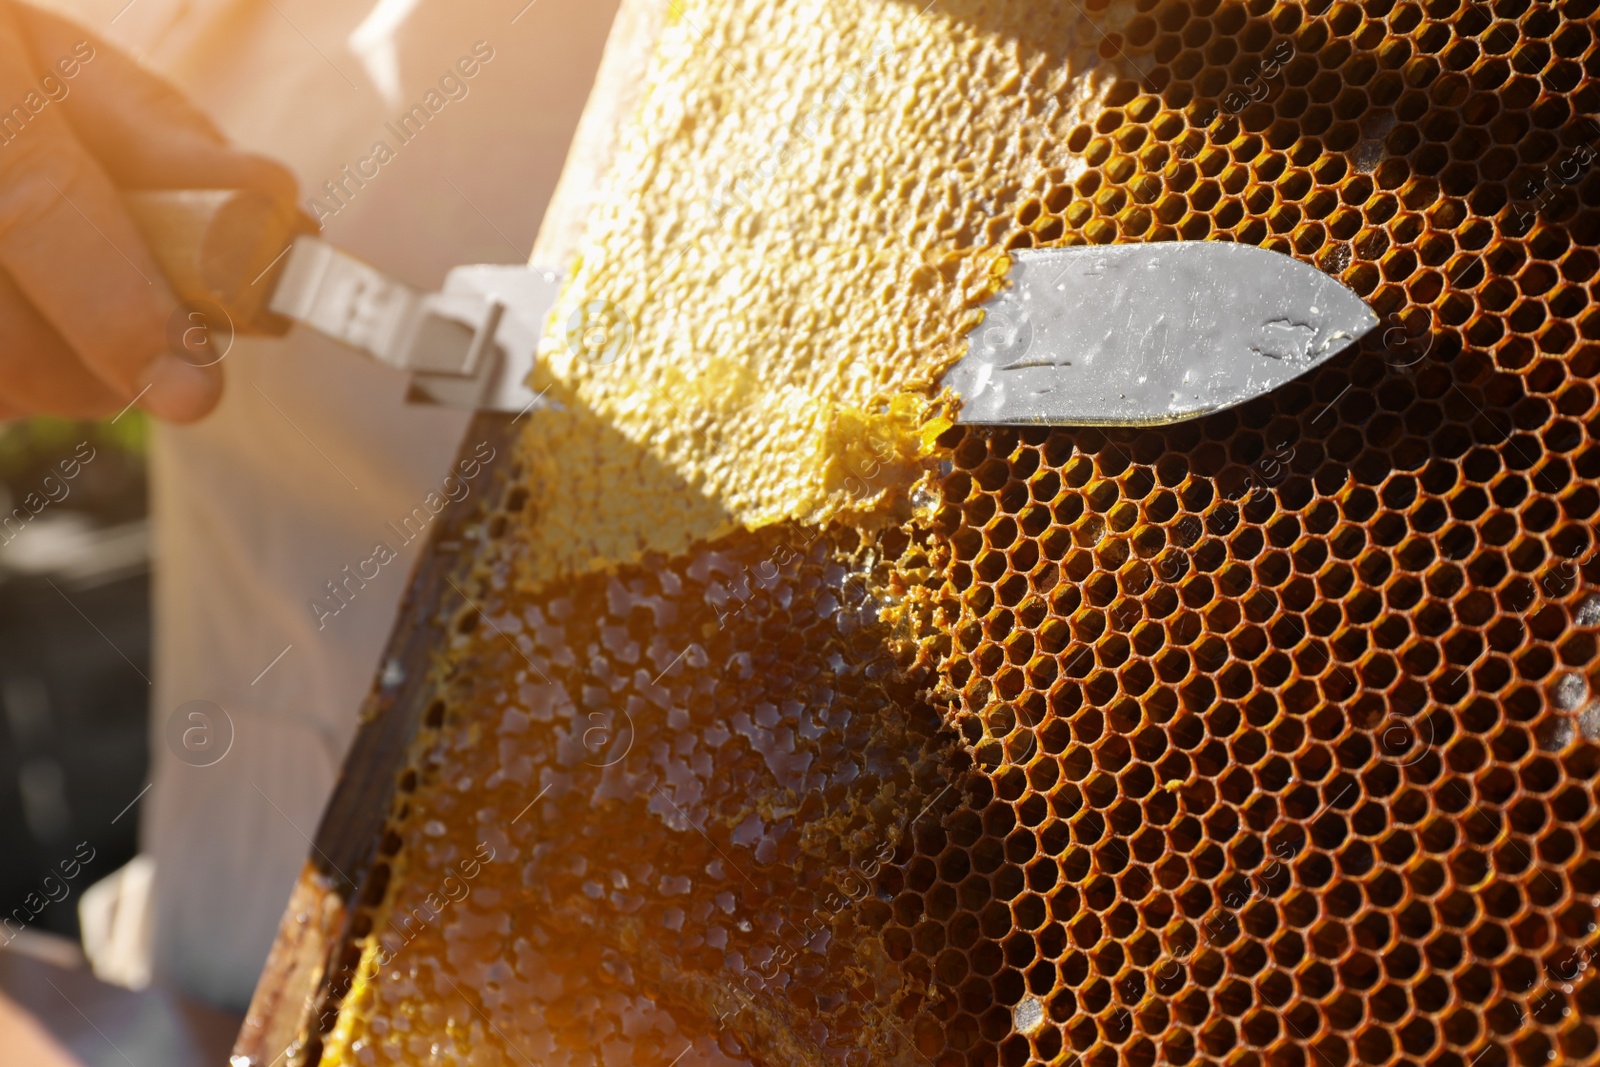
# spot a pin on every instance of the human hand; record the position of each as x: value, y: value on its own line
x: 84, y: 308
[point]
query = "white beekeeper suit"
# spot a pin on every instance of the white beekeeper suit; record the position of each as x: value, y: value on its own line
x: 312, y: 451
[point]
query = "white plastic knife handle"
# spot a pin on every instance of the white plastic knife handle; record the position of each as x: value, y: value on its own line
x: 470, y: 345
x: 236, y: 249
x: 341, y: 296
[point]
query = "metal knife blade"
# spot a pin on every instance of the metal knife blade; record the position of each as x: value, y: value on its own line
x: 1146, y: 334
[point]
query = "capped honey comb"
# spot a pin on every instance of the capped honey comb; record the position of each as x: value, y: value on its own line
x: 1269, y: 738
x: 668, y: 836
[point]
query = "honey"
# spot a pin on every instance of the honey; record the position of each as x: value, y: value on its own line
x: 804, y: 728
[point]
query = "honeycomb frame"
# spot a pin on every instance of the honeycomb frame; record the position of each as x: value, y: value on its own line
x: 1281, y: 723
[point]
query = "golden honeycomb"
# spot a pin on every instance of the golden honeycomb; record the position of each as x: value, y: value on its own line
x: 687, y: 816
x: 1269, y: 738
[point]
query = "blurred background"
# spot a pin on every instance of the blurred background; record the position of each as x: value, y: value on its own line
x: 74, y: 655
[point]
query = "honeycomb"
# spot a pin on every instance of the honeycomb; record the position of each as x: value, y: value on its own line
x: 684, y: 818
x: 787, y: 233
x: 1269, y: 738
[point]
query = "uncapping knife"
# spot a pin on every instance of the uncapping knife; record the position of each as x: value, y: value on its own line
x: 1101, y: 335
x: 1144, y: 334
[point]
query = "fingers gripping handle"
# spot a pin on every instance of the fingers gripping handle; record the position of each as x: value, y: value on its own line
x: 226, y: 246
